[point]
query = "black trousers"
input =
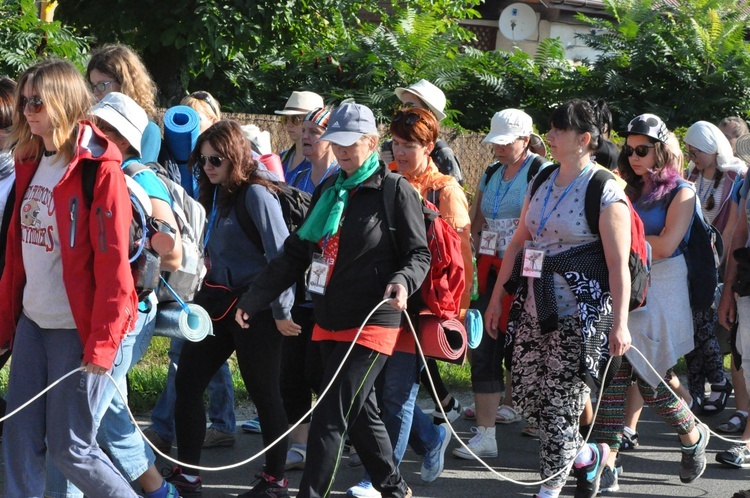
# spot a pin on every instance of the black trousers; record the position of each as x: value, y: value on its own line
x: 301, y: 367
x: 259, y: 358
x: 349, y: 407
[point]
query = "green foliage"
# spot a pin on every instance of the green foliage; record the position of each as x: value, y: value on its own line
x: 24, y: 38
x: 659, y: 60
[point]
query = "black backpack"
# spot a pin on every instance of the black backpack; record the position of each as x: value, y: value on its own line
x: 295, y: 204
x: 702, y: 247
x: 534, y: 167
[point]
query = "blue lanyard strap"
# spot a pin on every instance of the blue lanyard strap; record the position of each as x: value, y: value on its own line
x: 498, y: 198
x: 211, y: 219
x: 545, y: 216
x: 702, y: 197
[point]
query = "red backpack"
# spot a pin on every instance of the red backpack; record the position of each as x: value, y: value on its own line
x: 639, y: 261
x: 445, y: 283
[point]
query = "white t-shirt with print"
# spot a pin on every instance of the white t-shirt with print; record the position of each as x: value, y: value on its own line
x: 45, y: 300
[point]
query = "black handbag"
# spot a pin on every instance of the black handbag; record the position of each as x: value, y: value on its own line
x: 742, y: 285
x: 218, y: 300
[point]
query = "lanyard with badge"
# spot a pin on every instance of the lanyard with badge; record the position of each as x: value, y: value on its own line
x: 496, y: 234
x: 210, y: 227
x: 533, y: 258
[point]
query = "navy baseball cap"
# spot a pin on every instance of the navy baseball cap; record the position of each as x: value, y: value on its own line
x: 348, y: 123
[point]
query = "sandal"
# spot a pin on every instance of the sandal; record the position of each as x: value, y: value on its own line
x: 296, y: 457
x: 732, y: 427
x: 530, y: 431
x: 469, y: 413
x: 507, y: 415
x: 717, y: 405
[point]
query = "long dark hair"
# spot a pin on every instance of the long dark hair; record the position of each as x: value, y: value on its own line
x: 226, y: 138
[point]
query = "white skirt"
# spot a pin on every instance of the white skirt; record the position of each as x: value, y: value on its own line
x: 663, y: 329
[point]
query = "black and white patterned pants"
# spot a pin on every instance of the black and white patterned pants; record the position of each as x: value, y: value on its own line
x: 548, y: 390
x: 705, y: 362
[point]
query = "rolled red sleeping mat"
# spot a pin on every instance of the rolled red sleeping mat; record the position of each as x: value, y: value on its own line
x: 442, y: 339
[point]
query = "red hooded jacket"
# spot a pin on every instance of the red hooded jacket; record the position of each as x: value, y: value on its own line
x: 94, y: 250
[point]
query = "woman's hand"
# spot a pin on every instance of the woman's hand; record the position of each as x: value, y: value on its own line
x: 288, y: 328
x: 242, y: 318
x: 492, y: 316
x: 396, y: 296
x: 93, y: 368
x: 619, y: 340
x: 727, y: 311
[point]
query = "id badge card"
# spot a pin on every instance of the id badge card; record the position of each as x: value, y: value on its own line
x: 532, y: 261
x: 488, y: 242
x: 317, y: 278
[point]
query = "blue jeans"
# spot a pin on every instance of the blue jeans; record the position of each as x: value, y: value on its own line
x: 220, y: 395
x: 125, y: 445
x: 405, y: 422
x: 61, y: 426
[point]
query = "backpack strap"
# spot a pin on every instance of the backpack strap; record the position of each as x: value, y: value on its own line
x: 541, y: 177
x: 7, y: 214
x: 390, y: 185
x: 244, y: 219
x: 88, y: 178
x: 592, y: 202
x: 491, y: 170
x: 535, y: 166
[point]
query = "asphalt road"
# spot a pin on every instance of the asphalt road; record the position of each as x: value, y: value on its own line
x: 650, y: 470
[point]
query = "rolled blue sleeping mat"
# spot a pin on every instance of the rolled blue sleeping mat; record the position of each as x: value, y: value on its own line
x: 181, y: 130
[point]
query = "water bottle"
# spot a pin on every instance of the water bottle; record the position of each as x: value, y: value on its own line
x: 475, y: 282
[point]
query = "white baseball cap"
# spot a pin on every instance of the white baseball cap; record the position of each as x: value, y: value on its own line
x: 432, y: 96
x: 508, y: 125
x: 124, y: 115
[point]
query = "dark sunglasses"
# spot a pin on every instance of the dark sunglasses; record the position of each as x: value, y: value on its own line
x: 101, y: 87
x: 296, y: 120
x: 33, y: 104
x: 208, y: 98
x: 640, y: 150
x: 214, y: 160
x: 410, y: 118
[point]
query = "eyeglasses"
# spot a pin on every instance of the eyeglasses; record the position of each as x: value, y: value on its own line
x: 409, y: 117
x: 296, y: 120
x: 640, y: 150
x: 101, y: 87
x: 32, y: 104
x: 208, y: 98
x: 693, y: 153
x: 214, y: 160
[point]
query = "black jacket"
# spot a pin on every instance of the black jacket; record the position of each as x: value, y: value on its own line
x: 367, y: 260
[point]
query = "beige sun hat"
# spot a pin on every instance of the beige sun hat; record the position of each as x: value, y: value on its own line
x: 432, y: 96
x: 301, y: 103
x: 742, y: 148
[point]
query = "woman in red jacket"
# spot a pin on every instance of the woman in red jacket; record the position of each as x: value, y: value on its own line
x: 68, y: 291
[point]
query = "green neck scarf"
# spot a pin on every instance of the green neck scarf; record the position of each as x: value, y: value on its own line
x: 323, y: 220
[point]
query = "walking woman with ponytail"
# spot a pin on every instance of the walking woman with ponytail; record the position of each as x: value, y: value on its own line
x: 354, y: 264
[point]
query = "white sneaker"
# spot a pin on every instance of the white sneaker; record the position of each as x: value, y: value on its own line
x: 363, y: 490
x: 483, y: 444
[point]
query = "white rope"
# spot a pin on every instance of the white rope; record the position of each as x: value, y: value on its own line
x: 564, y: 471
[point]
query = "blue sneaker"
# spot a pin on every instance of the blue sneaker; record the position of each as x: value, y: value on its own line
x: 434, y: 460
x: 589, y: 477
x: 252, y: 426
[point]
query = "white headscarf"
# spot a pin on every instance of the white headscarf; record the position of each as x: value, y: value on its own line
x: 708, y: 138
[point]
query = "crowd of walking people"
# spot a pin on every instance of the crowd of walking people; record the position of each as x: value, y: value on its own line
x: 319, y: 304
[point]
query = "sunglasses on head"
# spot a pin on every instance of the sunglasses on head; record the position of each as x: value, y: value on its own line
x: 33, y: 104
x: 208, y: 98
x: 296, y: 120
x: 409, y: 117
x: 640, y: 150
x: 101, y: 87
x: 215, y: 161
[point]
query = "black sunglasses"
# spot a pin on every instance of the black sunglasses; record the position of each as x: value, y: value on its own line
x: 409, y: 117
x: 33, y: 104
x: 208, y: 98
x: 640, y: 150
x: 214, y: 160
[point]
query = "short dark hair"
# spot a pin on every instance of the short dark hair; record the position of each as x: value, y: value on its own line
x: 7, y: 101
x: 579, y: 116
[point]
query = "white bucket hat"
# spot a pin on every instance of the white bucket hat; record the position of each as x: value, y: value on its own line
x: 124, y: 115
x: 508, y: 125
x: 301, y: 103
x: 432, y: 96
